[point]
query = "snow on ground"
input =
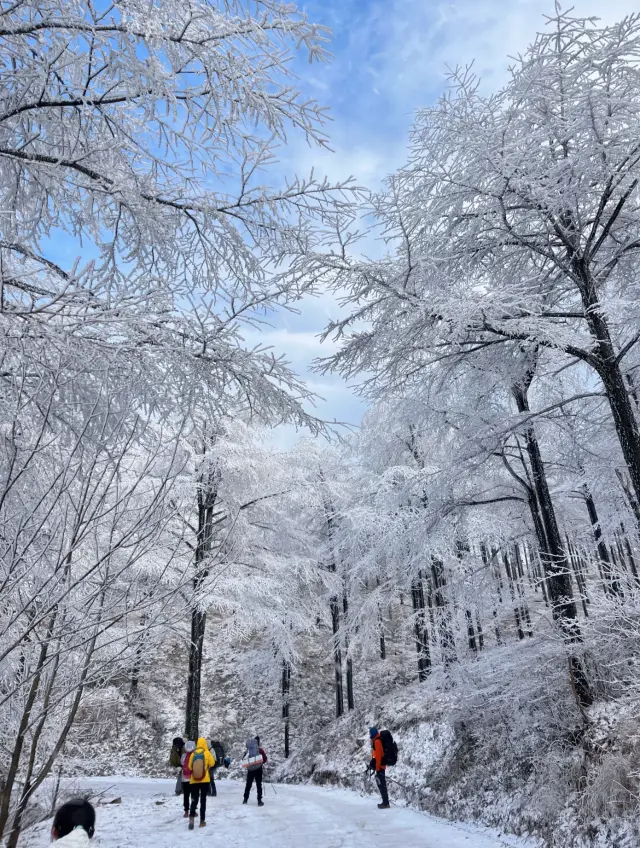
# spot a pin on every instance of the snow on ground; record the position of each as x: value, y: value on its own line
x: 150, y: 816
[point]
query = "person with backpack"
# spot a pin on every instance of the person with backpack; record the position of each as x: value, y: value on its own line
x: 189, y: 748
x: 201, y: 761
x: 379, y: 766
x: 177, y: 748
x: 175, y: 760
x: 74, y: 824
x: 254, y: 770
x: 218, y: 752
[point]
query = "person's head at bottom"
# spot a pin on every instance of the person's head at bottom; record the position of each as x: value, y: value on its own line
x: 74, y: 823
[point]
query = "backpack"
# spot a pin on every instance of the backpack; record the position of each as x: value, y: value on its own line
x: 254, y: 757
x: 176, y: 752
x: 389, y: 747
x: 198, y: 767
x: 218, y: 751
x: 186, y: 771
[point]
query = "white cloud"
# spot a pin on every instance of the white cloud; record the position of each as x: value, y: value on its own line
x: 421, y: 39
x: 390, y: 60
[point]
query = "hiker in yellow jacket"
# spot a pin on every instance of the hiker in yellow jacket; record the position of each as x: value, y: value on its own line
x: 200, y: 763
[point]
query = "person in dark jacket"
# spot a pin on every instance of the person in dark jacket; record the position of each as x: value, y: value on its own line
x: 377, y: 765
x: 254, y: 772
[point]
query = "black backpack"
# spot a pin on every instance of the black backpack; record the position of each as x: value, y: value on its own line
x: 176, y: 751
x: 218, y: 750
x: 389, y: 747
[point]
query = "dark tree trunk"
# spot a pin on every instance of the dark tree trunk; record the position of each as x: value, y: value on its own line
x: 207, y: 497
x: 624, y: 418
x: 606, y: 362
x: 554, y: 558
x: 337, y: 656
x: 574, y: 558
x: 329, y: 514
x: 345, y: 612
x: 471, y: 633
x: 137, y: 662
x: 630, y: 557
x: 286, y: 690
x: 447, y: 640
x: 480, y: 632
x: 524, y: 608
x: 498, y: 581
x: 516, y: 608
x: 611, y: 584
x: 420, y: 627
x: 194, y: 682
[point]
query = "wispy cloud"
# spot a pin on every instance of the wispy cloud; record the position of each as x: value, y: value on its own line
x: 391, y: 59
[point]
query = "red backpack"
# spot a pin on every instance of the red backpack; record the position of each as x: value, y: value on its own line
x: 186, y: 771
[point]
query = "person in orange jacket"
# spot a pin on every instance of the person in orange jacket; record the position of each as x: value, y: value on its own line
x: 200, y: 785
x: 377, y: 765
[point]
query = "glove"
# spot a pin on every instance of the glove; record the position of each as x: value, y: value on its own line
x: 372, y: 764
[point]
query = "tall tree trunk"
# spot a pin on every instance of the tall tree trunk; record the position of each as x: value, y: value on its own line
x: 194, y: 681
x: 337, y: 655
x: 329, y: 514
x: 524, y: 608
x: 345, y: 612
x: 606, y: 362
x: 208, y: 484
x: 611, y: 583
x: 447, y: 640
x: 137, y: 662
x: 471, y: 633
x: 480, y: 632
x: 556, y: 567
x: 630, y: 557
x: 498, y: 580
x: 420, y: 627
x: 286, y: 691
x: 512, y: 593
x: 574, y: 557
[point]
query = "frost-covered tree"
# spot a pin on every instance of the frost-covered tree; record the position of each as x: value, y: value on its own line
x: 139, y: 230
x: 514, y: 232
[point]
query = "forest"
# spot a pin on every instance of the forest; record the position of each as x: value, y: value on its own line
x: 463, y: 566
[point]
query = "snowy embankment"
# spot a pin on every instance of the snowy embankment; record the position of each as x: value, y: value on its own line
x: 293, y: 817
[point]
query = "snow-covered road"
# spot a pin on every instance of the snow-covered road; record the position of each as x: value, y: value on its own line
x: 150, y: 816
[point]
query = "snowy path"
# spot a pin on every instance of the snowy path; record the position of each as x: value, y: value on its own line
x: 150, y: 816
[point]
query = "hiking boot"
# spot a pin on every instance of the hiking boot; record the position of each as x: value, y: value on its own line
x: 244, y: 800
x: 261, y: 803
x: 203, y: 824
x: 186, y: 814
x: 383, y: 806
x: 191, y: 823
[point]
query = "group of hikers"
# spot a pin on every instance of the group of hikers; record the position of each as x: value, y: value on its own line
x: 74, y: 822
x: 198, y: 763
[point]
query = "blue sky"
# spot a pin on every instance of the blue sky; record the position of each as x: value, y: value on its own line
x: 390, y: 59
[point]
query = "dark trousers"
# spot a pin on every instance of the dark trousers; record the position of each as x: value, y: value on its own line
x: 381, y: 780
x: 213, y: 791
x: 199, y: 792
x: 251, y: 776
x: 186, y: 794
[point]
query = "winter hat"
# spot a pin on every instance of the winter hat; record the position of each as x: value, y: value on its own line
x: 190, y: 746
x: 373, y: 732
